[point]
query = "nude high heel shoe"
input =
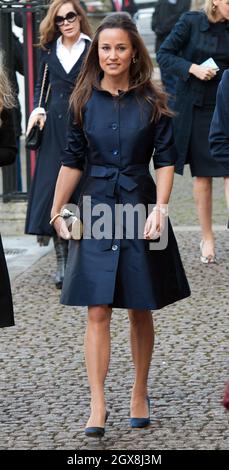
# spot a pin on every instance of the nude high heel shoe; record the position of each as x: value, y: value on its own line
x: 209, y: 259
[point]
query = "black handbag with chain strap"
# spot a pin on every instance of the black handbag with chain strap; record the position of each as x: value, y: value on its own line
x: 33, y: 139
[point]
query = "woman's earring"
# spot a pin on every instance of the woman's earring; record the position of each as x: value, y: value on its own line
x: 134, y: 60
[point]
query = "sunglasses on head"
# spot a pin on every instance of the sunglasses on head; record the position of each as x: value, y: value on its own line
x: 70, y: 17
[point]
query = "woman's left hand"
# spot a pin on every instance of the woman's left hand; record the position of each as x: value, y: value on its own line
x: 154, y: 225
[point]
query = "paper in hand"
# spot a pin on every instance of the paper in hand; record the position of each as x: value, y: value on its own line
x: 210, y: 63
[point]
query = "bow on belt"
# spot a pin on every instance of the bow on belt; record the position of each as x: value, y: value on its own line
x: 122, y: 177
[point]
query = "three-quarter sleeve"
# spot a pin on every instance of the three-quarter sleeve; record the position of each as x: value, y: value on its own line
x: 164, y: 148
x: 219, y: 130
x: 75, y: 152
x: 168, y: 55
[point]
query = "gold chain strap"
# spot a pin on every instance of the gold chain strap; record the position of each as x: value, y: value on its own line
x: 43, y: 86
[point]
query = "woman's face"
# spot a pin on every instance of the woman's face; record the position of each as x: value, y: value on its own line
x: 68, y: 21
x: 222, y: 9
x: 115, y: 52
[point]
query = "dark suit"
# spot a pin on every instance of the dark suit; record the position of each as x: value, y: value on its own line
x: 165, y: 16
x: 219, y: 131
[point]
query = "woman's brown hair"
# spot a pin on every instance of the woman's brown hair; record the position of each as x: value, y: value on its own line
x: 48, y: 29
x: 140, y: 71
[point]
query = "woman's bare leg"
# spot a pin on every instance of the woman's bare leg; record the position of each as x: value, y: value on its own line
x: 142, y: 341
x: 97, y: 356
x: 202, y: 191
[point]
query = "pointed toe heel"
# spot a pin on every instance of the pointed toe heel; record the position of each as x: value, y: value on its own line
x: 96, y: 431
x: 141, y: 422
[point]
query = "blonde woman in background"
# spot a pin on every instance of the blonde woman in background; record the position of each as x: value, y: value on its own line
x: 197, y: 37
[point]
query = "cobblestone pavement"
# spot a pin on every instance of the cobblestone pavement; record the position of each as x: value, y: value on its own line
x: 44, y: 395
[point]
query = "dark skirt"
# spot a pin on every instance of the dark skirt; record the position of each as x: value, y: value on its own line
x: 124, y: 272
x: 6, y: 305
x: 136, y: 278
x: 199, y: 156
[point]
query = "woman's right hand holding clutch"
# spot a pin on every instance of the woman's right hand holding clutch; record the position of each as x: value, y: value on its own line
x: 203, y: 73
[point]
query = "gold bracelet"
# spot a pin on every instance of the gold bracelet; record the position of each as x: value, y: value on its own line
x: 51, y: 222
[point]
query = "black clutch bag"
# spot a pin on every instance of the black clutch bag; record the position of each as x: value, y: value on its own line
x: 33, y: 139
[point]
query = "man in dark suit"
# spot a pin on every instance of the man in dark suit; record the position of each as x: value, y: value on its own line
x: 219, y: 145
x: 219, y: 130
x: 165, y: 16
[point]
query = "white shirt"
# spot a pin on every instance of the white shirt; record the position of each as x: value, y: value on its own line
x: 67, y: 58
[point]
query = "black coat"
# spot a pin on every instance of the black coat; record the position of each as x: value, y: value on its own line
x: 53, y: 141
x: 117, y: 142
x: 8, y: 148
x: 219, y: 131
x: 17, y: 67
x: 190, y: 41
x: 7, y: 154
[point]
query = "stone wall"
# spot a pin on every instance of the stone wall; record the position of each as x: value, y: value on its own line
x: 12, y: 217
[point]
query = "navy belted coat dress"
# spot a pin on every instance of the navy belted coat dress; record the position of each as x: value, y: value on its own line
x: 54, y: 138
x: 193, y: 40
x: 117, y: 142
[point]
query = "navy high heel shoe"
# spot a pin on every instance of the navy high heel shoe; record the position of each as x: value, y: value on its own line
x: 95, y: 431
x: 141, y: 422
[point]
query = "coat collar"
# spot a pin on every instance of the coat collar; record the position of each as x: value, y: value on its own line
x: 51, y: 51
x: 205, y: 24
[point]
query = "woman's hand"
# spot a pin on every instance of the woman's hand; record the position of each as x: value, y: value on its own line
x: 203, y: 73
x: 62, y: 228
x: 154, y: 225
x: 36, y: 119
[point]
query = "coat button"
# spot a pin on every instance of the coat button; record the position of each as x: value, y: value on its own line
x: 59, y: 116
x: 115, y: 153
x: 114, y: 247
x: 114, y: 126
x: 61, y: 95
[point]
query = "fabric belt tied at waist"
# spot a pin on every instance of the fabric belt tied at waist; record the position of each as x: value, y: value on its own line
x: 122, y: 177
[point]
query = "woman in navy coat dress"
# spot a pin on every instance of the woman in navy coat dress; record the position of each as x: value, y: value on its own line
x: 120, y: 119
x: 8, y: 152
x: 64, y: 41
x: 197, y: 37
